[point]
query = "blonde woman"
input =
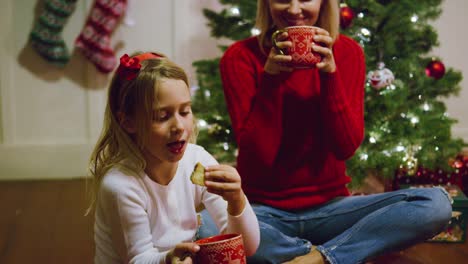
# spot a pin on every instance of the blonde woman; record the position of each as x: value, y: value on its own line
x: 295, y: 129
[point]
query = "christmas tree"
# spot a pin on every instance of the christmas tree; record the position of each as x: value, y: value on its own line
x: 406, y: 124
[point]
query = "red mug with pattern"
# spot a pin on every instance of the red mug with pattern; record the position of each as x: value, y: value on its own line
x: 302, y: 38
x: 221, y: 249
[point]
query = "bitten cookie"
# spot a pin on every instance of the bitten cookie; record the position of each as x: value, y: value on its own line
x: 198, y: 175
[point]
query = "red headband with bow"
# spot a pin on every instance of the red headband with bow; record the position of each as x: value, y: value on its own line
x: 130, y: 66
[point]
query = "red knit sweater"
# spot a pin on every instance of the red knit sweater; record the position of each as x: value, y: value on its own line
x: 294, y: 130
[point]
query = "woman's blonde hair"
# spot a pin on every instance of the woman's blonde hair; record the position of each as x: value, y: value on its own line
x: 134, y: 99
x: 329, y: 19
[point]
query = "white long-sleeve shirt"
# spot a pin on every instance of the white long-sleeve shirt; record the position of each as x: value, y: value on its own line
x: 138, y: 220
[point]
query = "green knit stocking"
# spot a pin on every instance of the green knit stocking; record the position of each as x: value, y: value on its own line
x: 46, y: 36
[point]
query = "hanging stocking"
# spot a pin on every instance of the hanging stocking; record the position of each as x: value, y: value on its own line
x: 94, y: 39
x: 46, y: 36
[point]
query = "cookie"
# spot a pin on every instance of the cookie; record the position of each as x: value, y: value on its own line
x: 198, y: 174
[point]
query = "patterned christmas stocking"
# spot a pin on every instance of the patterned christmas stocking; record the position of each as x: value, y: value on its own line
x: 94, y: 39
x: 46, y: 36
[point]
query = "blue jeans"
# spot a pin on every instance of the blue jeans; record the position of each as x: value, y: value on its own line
x: 348, y: 229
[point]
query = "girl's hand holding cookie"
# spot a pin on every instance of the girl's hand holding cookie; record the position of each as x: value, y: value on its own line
x: 324, y: 48
x: 225, y: 181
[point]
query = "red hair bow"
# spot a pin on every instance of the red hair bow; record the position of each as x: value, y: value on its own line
x: 129, y: 67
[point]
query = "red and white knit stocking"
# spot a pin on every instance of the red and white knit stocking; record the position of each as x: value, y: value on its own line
x: 94, y: 40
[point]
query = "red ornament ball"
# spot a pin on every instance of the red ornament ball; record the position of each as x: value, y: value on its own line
x: 346, y: 16
x: 435, y: 69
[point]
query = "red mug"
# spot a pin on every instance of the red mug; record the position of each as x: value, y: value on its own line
x: 302, y: 38
x: 221, y: 249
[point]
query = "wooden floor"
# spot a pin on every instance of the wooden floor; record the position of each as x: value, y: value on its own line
x: 44, y: 222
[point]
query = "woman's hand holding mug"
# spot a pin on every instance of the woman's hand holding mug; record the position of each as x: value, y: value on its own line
x: 299, y: 47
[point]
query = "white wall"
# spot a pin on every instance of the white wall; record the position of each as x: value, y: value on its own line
x: 453, y: 50
x: 50, y: 118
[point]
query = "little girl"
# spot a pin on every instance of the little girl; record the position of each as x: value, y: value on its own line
x: 144, y: 202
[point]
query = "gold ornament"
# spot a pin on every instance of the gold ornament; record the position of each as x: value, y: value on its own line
x: 214, y: 129
x: 410, y: 164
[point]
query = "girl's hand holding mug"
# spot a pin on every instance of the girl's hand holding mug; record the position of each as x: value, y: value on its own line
x: 182, y: 253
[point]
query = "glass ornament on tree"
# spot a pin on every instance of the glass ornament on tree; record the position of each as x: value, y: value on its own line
x: 382, y: 77
x: 346, y: 16
x: 435, y: 69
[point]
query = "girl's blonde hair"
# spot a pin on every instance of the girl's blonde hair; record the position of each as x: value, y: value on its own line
x: 329, y: 19
x: 135, y: 99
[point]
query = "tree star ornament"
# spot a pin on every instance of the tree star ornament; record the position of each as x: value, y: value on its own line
x: 381, y: 77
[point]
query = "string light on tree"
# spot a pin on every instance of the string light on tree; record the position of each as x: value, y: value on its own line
x: 400, y: 148
x: 426, y: 107
x: 414, y: 119
x: 225, y: 146
x: 255, y: 31
x: 435, y: 69
x: 385, y: 128
x: 374, y: 137
x: 202, y: 124
x: 234, y: 11
x: 363, y: 156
